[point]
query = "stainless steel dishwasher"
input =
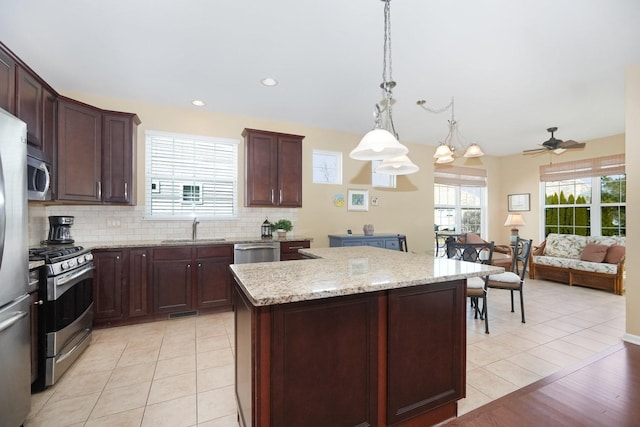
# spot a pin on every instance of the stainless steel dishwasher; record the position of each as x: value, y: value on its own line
x: 244, y: 253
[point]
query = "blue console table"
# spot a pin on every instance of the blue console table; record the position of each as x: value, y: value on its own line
x: 386, y: 241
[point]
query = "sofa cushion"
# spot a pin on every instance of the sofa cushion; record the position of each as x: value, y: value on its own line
x: 564, y: 245
x: 607, y: 240
x: 507, y: 277
x: 594, y: 252
x: 596, y: 267
x: 614, y: 254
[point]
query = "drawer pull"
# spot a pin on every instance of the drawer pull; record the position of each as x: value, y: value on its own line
x: 296, y: 247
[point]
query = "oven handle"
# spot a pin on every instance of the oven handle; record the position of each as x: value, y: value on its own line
x: 74, y: 348
x: 74, y: 275
x: 12, y: 320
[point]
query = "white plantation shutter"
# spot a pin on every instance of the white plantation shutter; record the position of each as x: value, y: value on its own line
x: 188, y: 175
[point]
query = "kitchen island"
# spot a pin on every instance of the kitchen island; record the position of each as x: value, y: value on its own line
x: 359, y: 336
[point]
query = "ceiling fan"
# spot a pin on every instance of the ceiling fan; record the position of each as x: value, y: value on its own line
x: 558, y: 146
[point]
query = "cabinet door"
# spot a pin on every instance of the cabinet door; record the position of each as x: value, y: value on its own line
x: 290, y: 171
x: 35, y: 304
x: 79, y: 152
x: 29, y: 106
x: 7, y: 82
x: 138, y: 283
x: 49, y: 126
x: 118, y: 157
x: 107, y: 289
x: 261, y: 169
x: 289, y: 250
x: 172, y: 279
x: 213, y: 285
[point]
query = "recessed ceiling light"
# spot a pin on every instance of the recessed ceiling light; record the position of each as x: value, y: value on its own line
x: 268, y: 81
x: 198, y: 103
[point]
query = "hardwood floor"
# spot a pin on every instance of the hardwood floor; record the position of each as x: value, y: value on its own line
x: 603, y: 390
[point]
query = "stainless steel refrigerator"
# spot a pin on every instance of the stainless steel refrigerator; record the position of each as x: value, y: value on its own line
x: 15, y: 341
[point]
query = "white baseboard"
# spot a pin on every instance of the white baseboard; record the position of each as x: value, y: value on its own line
x: 633, y: 339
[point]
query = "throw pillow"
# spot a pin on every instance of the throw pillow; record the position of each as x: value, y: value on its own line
x: 614, y: 254
x: 594, y: 253
x: 473, y: 238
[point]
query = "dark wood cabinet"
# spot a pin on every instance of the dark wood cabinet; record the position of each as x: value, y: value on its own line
x: 79, y: 152
x: 49, y: 129
x: 396, y: 357
x: 118, y: 157
x: 213, y: 278
x: 7, y: 82
x: 289, y: 249
x: 186, y: 278
x: 171, y: 279
x: 273, y: 169
x: 138, y: 283
x: 108, y: 301
x: 96, y: 154
x: 29, y: 93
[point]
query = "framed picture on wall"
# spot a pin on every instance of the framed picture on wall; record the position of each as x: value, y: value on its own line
x: 519, y: 202
x: 358, y: 200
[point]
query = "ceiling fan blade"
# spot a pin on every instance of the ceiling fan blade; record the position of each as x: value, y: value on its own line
x: 535, y: 150
x: 571, y: 144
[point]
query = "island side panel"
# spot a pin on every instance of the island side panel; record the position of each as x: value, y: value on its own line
x: 426, y: 352
x: 324, y: 362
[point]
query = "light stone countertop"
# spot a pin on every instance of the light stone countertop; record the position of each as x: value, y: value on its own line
x: 184, y: 242
x: 35, y: 264
x: 346, y: 271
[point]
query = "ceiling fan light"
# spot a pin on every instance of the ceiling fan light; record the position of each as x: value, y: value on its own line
x: 474, y: 150
x: 378, y: 144
x: 445, y: 159
x: 559, y: 150
x: 443, y: 150
x: 400, y: 165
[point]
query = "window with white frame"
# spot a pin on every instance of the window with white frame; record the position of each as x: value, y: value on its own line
x: 585, y: 197
x: 189, y: 175
x: 381, y: 179
x: 460, y: 195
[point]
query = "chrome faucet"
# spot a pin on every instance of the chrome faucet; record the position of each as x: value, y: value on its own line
x: 194, y: 229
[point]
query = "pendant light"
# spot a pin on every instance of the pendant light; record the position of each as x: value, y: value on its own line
x: 381, y: 143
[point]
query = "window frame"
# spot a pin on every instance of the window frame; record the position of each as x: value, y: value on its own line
x: 221, y: 171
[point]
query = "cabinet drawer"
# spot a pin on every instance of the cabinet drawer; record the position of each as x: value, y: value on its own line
x: 392, y: 244
x: 172, y: 253
x: 376, y: 243
x: 214, y: 251
x: 293, y: 246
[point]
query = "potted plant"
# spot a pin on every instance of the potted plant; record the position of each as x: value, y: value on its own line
x: 282, y: 226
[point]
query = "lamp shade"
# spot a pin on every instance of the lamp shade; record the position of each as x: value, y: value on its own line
x: 443, y: 150
x: 445, y: 159
x: 474, y: 150
x: 514, y: 220
x: 400, y: 165
x: 378, y: 144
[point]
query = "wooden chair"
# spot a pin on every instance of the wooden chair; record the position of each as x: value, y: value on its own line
x: 514, y: 280
x: 476, y: 286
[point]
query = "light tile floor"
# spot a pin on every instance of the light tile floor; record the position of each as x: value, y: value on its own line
x: 180, y: 372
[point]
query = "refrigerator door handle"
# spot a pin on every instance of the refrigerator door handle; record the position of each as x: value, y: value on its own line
x: 3, y: 213
x: 12, y: 320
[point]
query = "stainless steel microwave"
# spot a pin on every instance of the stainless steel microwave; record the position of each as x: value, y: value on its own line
x: 38, y: 179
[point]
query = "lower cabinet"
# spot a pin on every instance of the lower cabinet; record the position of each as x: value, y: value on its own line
x: 386, y: 241
x: 289, y: 250
x: 108, y: 285
x: 138, y: 282
x: 171, y: 278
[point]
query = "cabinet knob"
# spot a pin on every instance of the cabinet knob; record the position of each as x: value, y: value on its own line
x: 117, y: 256
x: 126, y: 191
x: 188, y: 265
x: 40, y: 302
x: 144, y: 255
x: 199, y: 265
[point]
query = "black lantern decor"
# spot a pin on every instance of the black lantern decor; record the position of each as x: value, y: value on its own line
x: 266, y: 232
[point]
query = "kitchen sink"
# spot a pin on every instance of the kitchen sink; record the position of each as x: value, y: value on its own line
x: 193, y: 241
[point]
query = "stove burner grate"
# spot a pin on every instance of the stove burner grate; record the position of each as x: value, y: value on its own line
x: 49, y: 255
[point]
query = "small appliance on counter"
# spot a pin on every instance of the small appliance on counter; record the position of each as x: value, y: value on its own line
x: 60, y: 230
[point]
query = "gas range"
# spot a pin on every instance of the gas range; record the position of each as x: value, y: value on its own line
x: 59, y: 259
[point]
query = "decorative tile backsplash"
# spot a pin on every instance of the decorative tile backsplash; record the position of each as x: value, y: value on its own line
x: 104, y: 224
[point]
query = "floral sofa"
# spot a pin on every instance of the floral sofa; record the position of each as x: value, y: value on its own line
x: 592, y: 261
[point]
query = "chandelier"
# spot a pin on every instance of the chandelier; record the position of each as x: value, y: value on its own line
x: 446, y: 150
x: 381, y: 143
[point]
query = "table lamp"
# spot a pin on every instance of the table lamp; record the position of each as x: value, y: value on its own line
x: 514, y: 221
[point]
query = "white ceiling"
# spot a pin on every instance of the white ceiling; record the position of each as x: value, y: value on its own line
x: 514, y: 67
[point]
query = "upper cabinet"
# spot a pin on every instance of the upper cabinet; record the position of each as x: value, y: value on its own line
x: 29, y: 106
x: 95, y: 154
x: 273, y: 169
x: 7, y: 82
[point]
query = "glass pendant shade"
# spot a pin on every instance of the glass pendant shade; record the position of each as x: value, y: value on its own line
x: 473, y: 150
x: 400, y: 165
x: 445, y: 159
x: 378, y: 144
x: 443, y: 150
